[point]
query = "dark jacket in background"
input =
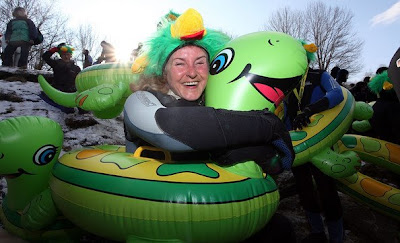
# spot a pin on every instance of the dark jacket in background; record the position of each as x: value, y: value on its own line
x: 20, y: 32
x: 64, y: 73
x: 361, y: 92
x: 20, y: 29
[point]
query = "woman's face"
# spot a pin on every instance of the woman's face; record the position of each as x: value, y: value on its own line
x: 187, y: 72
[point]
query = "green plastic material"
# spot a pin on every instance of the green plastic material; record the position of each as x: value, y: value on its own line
x: 101, y: 88
x: 273, y: 57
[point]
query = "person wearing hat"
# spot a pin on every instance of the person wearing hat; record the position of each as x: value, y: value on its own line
x: 386, y: 117
x: 174, y: 68
x: 65, y: 69
x: 64, y: 72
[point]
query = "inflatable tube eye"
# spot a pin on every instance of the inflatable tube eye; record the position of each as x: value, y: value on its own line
x: 222, y: 61
x: 44, y: 155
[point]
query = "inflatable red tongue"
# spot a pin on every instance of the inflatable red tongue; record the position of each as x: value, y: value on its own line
x: 274, y: 95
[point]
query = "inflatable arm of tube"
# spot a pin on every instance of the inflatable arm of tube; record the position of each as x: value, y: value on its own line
x: 362, y: 113
x: 101, y: 97
x: 40, y: 212
x: 336, y: 165
x: 61, y: 98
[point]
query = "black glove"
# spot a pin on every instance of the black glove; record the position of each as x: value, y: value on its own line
x: 265, y: 156
x: 302, y: 119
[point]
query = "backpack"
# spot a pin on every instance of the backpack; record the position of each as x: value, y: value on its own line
x: 39, y: 38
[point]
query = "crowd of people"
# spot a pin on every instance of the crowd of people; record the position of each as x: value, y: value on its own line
x: 186, y: 61
x: 21, y: 34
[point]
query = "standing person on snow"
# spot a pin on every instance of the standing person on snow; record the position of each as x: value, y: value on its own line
x: 20, y: 32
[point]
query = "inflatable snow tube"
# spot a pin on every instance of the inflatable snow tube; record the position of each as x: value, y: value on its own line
x: 61, y: 229
x: 313, y: 143
x: 325, y: 129
x: 377, y: 195
x: 121, y: 196
x: 105, y: 73
x: 29, y: 147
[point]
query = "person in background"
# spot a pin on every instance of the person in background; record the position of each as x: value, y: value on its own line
x: 334, y: 71
x: 361, y: 92
x: 176, y: 76
x: 386, y: 116
x: 65, y: 71
x: 107, y: 54
x: 20, y: 32
x: 394, y: 72
x: 342, y: 76
x: 88, y: 61
x: 135, y: 52
x: 321, y: 92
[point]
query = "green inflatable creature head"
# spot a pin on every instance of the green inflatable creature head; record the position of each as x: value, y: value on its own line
x: 259, y: 69
x: 29, y: 147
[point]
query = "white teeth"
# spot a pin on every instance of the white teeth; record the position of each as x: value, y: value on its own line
x: 191, y: 83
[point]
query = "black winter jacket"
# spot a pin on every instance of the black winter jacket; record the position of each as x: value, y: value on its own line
x: 64, y: 73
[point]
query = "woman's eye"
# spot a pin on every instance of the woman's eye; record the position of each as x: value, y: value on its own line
x: 222, y: 61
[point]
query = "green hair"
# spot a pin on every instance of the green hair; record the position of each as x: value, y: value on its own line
x: 162, y: 45
x: 65, y: 49
x: 310, y: 55
x: 376, y: 83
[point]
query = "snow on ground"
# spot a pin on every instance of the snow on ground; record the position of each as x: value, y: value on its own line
x: 22, y: 99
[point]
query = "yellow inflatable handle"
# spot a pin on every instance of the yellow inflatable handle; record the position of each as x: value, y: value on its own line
x: 140, y: 149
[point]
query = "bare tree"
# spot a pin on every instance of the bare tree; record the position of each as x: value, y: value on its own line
x: 52, y: 24
x: 287, y: 21
x: 87, y: 39
x: 330, y: 28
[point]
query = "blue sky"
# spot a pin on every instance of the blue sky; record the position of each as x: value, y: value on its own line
x: 124, y: 23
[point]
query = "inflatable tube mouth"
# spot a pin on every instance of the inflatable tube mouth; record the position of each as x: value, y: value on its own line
x: 61, y: 98
x: 16, y: 175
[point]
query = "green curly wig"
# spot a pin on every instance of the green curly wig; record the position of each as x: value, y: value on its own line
x: 65, y: 49
x: 377, y: 82
x: 310, y: 52
x: 162, y: 45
